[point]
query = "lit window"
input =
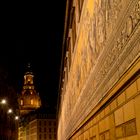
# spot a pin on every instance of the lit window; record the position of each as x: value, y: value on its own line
x: 31, y: 101
x: 28, y: 82
x: 21, y: 102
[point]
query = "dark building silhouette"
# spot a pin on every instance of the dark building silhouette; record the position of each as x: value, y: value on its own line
x: 8, y: 124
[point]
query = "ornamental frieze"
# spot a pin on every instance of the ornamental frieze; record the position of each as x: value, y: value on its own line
x: 99, y: 61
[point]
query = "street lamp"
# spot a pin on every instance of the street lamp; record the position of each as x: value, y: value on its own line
x: 3, y: 101
x: 10, y: 111
x: 16, y: 117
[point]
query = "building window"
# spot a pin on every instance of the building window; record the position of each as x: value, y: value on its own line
x: 40, y: 136
x: 50, y: 137
x: 39, y: 129
x: 45, y: 129
x: 71, y: 16
x: 50, y: 130
x: 80, y: 5
x: 72, y: 24
x: 55, y: 136
x: 74, y: 30
x: 39, y: 123
x: 50, y: 123
x: 45, y: 136
x: 32, y: 102
x: 54, y: 123
x: 66, y: 71
x: 69, y: 54
x: 44, y: 122
x: 69, y: 51
x: 21, y: 101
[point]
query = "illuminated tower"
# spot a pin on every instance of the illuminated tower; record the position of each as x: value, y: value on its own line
x: 29, y: 99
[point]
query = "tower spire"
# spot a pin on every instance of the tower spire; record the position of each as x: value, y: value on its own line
x: 28, y: 67
x: 29, y: 100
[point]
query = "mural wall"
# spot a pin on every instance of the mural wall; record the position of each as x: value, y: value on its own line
x: 107, y: 46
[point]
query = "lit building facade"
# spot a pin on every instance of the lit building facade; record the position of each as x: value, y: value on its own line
x: 36, y: 123
x: 29, y: 99
x: 99, y: 94
x: 38, y: 126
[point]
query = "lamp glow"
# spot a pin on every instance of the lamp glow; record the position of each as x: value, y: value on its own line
x: 16, y: 117
x: 3, y: 101
x: 10, y: 110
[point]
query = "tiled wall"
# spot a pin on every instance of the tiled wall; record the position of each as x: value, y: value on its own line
x: 119, y: 120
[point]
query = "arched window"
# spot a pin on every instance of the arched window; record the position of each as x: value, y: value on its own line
x: 21, y: 102
x: 31, y: 101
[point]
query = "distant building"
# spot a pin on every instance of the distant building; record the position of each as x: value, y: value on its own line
x: 38, y: 125
x: 29, y: 99
x: 35, y: 123
x: 99, y: 94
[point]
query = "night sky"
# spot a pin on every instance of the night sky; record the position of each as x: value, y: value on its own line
x: 33, y: 33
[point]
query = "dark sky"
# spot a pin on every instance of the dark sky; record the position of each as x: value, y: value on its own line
x: 33, y: 32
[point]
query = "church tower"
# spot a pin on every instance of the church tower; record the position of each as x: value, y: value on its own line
x: 29, y: 99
